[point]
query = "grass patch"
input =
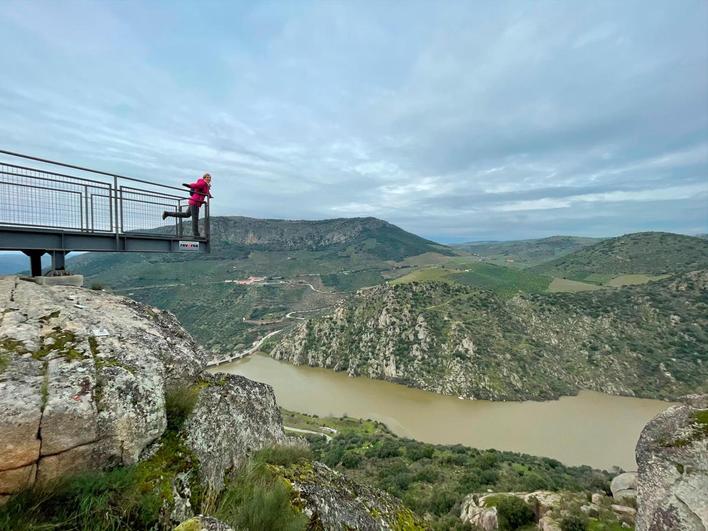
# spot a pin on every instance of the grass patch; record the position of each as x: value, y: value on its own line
x: 633, y: 280
x: 430, y: 273
x: 179, y: 403
x: 100, y: 501
x: 4, y: 362
x: 257, y: 498
x: 563, y: 285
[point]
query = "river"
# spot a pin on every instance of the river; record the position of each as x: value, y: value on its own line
x: 590, y: 429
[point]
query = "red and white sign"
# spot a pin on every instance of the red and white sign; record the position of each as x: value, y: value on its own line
x: 188, y: 246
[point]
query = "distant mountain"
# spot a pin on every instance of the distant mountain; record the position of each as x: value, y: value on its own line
x: 525, y: 253
x: 367, y: 235
x: 644, y: 341
x: 11, y: 263
x: 649, y: 253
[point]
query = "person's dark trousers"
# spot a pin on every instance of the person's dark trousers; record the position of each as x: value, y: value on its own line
x: 193, y: 212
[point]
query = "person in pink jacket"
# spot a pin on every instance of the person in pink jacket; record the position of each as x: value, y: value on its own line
x: 200, y: 191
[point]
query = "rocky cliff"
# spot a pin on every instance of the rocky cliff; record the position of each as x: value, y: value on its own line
x: 83, y: 380
x: 672, y: 459
x: 107, y: 419
x: 637, y: 341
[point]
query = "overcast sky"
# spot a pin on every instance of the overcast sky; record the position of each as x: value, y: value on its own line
x: 456, y: 120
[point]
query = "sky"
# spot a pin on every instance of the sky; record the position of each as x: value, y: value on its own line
x: 456, y: 120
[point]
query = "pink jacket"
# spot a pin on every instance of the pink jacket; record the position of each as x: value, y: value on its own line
x: 201, y: 190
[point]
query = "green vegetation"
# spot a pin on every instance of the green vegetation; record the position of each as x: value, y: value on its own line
x: 504, y: 281
x: 434, y: 479
x: 61, y: 342
x: 512, y: 512
x: 526, y: 253
x: 549, y: 341
x: 339, y: 255
x: 633, y: 280
x: 258, y: 497
x: 574, y: 522
x: 643, y: 253
x: 563, y: 285
x: 107, y: 501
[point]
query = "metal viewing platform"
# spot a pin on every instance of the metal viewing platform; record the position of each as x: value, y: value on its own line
x: 52, y: 207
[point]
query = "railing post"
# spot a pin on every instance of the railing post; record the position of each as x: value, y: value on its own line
x: 115, y: 202
x: 207, y: 227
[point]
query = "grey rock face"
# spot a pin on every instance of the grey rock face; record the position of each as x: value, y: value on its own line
x: 672, y: 457
x: 624, y: 486
x: 332, y: 501
x: 233, y: 418
x: 82, y: 379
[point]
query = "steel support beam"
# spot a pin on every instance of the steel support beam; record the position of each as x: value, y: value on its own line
x: 35, y: 257
x: 31, y: 239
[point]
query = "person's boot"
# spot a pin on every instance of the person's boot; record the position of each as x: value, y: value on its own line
x: 164, y: 215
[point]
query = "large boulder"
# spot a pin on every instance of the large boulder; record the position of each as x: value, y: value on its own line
x: 232, y: 418
x: 332, y: 501
x: 624, y: 486
x: 83, y: 376
x: 672, y: 459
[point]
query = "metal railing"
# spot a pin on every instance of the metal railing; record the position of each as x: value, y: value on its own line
x: 50, y: 195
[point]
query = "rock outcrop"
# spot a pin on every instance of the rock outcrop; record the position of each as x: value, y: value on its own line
x: 332, y: 501
x: 469, y: 342
x: 624, y: 486
x: 83, y: 376
x: 549, y: 509
x: 92, y: 381
x: 672, y: 459
x: 233, y: 417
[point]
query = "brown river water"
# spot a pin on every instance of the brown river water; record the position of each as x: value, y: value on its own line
x: 590, y: 429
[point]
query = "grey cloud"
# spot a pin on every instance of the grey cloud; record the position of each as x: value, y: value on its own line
x: 436, y: 116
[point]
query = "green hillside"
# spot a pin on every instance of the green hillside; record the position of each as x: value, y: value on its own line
x: 304, y: 263
x: 526, y: 253
x: 646, y: 340
x: 648, y: 253
x: 504, y: 281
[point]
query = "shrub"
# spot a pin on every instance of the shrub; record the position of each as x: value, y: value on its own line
x: 97, y: 286
x: 351, y: 460
x: 512, y: 512
x: 441, y: 501
x: 574, y: 522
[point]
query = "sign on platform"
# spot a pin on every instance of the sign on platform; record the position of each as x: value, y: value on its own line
x: 188, y: 246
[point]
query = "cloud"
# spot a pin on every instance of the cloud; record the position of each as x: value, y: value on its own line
x: 501, y: 120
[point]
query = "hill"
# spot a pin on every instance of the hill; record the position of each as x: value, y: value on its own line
x: 648, y: 253
x: 526, y: 253
x: 644, y: 340
x: 505, y: 281
x: 300, y: 264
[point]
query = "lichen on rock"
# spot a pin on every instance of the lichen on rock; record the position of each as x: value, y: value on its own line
x: 672, y: 459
